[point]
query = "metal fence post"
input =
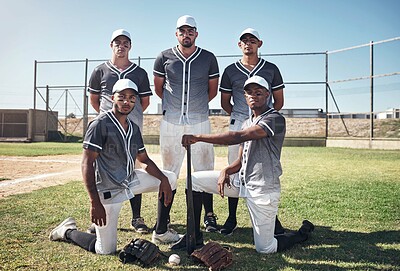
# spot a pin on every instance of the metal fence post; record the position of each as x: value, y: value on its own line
x: 46, y: 123
x: 85, y: 100
x: 66, y: 113
x: 371, y: 66
x: 326, y: 96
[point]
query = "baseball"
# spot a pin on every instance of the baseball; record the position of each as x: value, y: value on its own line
x: 174, y: 259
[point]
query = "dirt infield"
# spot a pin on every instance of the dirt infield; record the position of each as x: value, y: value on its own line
x: 25, y: 174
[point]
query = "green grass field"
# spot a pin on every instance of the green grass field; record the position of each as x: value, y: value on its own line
x: 352, y: 196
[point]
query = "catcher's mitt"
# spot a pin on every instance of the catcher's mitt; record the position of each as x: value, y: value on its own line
x: 140, y: 251
x: 214, y: 256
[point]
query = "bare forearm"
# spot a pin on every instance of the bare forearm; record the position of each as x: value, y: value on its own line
x: 227, y: 107
x: 227, y: 138
x: 159, y: 86
x: 234, y: 167
x: 89, y: 182
x: 95, y: 102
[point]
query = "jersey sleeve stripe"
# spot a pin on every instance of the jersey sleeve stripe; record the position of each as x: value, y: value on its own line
x: 147, y: 93
x: 225, y: 89
x: 214, y: 75
x: 92, y: 90
x: 266, y: 125
x: 91, y: 144
x: 278, y: 86
x: 159, y: 73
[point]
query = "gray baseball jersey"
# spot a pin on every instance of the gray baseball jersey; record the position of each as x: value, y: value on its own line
x: 117, y: 148
x: 236, y: 74
x: 261, y: 166
x: 106, y: 75
x: 185, y: 92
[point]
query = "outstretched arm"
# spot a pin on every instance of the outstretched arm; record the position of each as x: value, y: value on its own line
x: 227, y: 138
x: 97, y: 211
x: 153, y: 170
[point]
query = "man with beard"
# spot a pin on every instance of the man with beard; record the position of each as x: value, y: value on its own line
x: 186, y: 79
x: 111, y: 145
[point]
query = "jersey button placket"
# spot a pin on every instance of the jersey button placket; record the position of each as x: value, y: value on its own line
x: 185, y: 102
x: 242, y: 171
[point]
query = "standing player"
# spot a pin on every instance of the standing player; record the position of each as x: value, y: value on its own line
x: 112, y: 144
x: 231, y: 89
x: 101, y: 83
x: 186, y: 79
x: 258, y: 165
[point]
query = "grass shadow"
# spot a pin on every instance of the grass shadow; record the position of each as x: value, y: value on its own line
x: 327, y: 249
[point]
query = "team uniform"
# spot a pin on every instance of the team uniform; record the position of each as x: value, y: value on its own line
x: 232, y: 82
x: 258, y: 178
x: 103, y: 79
x: 117, y: 180
x: 185, y: 105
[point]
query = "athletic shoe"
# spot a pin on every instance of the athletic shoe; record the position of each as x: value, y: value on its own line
x: 210, y: 223
x: 306, y: 228
x: 92, y: 229
x: 170, y: 236
x: 181, y: 244
x: 228, y: 228
x: 139, y: 226
x: 155, y: 225
x: 58, y: 234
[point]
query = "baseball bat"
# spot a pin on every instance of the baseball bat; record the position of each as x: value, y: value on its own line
x: 190, y: 231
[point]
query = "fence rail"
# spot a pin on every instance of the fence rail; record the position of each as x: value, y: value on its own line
x: 325, y: 89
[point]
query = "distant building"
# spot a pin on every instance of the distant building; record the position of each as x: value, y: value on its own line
x: 303, y: 113
x: 217, y: 112
x: 391, y: 113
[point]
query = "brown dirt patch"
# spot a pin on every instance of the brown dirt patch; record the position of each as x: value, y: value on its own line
x: 25, y: 174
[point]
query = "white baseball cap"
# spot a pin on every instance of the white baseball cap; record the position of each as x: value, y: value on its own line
x: 256, y: 80
x: 250, y: 31
x: 186, y: 20
x: 120, y: 32
x: 123, y: 84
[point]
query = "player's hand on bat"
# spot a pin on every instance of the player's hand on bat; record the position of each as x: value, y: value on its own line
x: 98, y: 214
x: 223, y: 180
x: 188, y: 140
x: 165, y: 189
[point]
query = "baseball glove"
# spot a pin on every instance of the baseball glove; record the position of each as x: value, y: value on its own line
x: 140, y: 251
x: 214, y: 256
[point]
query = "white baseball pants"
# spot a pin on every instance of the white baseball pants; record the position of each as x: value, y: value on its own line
x: 262, y: 209
x: 106, y: 241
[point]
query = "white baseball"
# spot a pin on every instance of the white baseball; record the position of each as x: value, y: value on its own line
x: 174, y: 259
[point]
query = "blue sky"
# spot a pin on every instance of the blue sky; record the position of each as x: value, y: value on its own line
x: 72, y: 30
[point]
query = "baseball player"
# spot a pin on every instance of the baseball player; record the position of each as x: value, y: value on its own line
x: 258, y: 167
x: 234, y: 102
x: 186, y: 79
x: 111, y: 145
x: 101, y: 83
